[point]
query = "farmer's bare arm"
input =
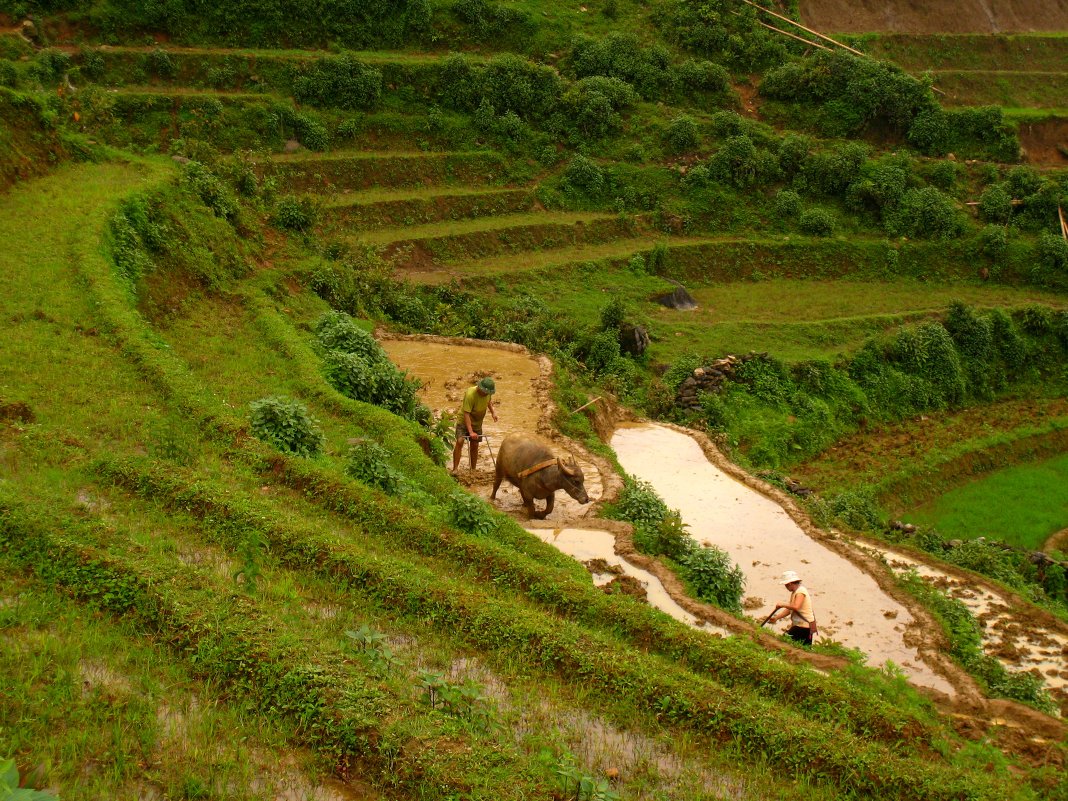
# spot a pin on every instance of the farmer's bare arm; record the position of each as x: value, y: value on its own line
x: 470, y: 427
x: 492, y: 411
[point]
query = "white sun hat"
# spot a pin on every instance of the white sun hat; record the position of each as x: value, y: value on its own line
x: 789, y: 577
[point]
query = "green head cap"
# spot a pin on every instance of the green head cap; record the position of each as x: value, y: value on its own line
x: 487, y: 385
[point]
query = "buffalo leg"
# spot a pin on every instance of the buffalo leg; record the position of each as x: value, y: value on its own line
x: 497, y: 479
x: 548, y: 505
x: 528, y: 503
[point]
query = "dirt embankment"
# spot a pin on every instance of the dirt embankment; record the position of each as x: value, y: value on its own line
x: 915, y: 16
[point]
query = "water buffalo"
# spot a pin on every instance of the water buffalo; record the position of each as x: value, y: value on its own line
x: 529, y: 464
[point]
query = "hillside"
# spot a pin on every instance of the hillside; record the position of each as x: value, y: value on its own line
x: 255, y: 251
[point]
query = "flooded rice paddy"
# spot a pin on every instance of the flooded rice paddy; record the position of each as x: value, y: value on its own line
x: 596, y: 549
x: 850, y: 605
x: 447, y: 368
x: 1019, y: 639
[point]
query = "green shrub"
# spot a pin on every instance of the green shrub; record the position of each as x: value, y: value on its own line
x: 286, y: 425
x: 995, y: 205
x: 159, y: 63
x: 714, y: 577
x: 945, y: 174
x: 294, y: 214
x: 584, y: 174
x: 730, y: 39
x: 358, y: 367
x: 338, y: 331
x: 993, y: 242
x: 787, y: 204
x: 682, y: 135
x: 471, y: 514
x: 851, y: 93
x: 212, y: 190
x: 924, y: 213
x: 817, y: 222
x: 1053, y: 252
x: 741, y: 163
x: 488, y: 19
x: 338, y: 82
x: 591, y: 108
x: 50, y: 66
x: 830, y: 172
x: 368, y: 462
x: 639, y: 504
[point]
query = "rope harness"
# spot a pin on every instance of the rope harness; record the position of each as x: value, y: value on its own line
x: 539, y: 466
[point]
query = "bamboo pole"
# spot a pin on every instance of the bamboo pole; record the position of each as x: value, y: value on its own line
x: 802, y: 27
x: 792, y: 35
x: 583, y: 406
x: 1064, y: 225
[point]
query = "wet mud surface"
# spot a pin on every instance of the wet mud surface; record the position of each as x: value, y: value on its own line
x: 856, y: 596
x: 448, y: 367
x: 1020, y: 638
x: 756, y: 532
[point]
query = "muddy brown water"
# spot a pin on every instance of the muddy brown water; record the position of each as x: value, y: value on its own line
x: 759, y: 535
x: 595, y: 545
x: 448, y: 367
x: 1019, y: 641
x: 850, y: 606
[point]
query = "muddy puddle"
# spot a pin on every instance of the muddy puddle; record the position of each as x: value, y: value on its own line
x: 1018, y: 640
x: 595, y: 548
x: 448, y: 367
x: 850, y: 606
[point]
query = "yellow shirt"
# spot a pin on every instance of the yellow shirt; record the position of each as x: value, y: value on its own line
x: 475, y: 404
x: 805, y: 616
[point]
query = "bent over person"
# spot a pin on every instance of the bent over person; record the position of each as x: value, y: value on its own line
x: 799, y: 608
x: 477, y: 401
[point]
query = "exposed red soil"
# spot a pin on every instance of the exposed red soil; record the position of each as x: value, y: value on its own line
x: 1045, y: 143
x: 915, y: 16
x: 868, y: 455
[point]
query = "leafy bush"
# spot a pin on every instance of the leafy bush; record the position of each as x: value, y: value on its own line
x: 590, y: 108
x: 925, y: 213
x: 971, y: 131
x: 682, y: 135
x: 212, y: 190
x: 286, y: 424
x: 294, y: 214
x: 830, y: 172
x: 266, y: 23
x: 338, y: 82
x: 471, y: 514
x: 995, y: 204
x: 731, y: 39
x: 787, y: 204
x: 639, y: 504
x: 852, y: 93
x: 1053, y: 252
x: 368, y: 462
x: 358, y: 367
x: 742, y: 164
x: 817, y: 222
x: 584, y: 174
x: 488, y: 19
x: 994, y: 242
x: 714, y: 577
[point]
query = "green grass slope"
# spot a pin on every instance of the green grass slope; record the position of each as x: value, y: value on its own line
x: 386, y: 629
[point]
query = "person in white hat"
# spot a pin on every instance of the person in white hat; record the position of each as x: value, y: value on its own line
x: 799, y: 608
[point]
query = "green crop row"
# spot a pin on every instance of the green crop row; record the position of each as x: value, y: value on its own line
x: 388, y: 213
x: 681, y: 698
x: 487, y: 561
x: 330, y: 702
